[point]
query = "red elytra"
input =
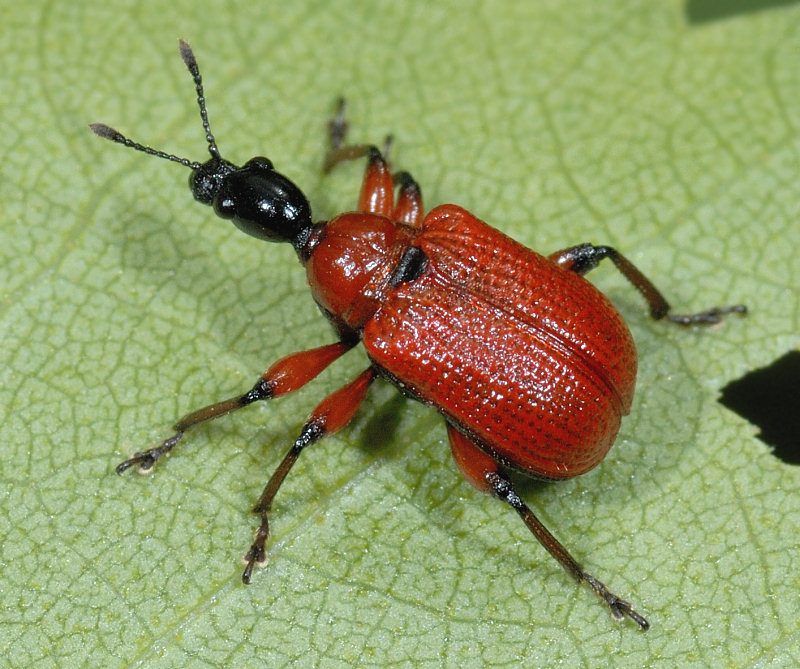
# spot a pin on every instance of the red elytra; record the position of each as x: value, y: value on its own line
x: 530, y: 365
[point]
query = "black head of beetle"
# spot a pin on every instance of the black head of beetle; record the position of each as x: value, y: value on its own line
x: 257, y: 199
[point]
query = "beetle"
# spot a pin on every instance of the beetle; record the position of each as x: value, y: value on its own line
x: 530, y: 365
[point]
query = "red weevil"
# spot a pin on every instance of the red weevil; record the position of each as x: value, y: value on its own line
x: 530, y: 365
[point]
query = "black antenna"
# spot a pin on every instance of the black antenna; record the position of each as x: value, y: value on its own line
x: 107, y: 132
x: 191, y: 63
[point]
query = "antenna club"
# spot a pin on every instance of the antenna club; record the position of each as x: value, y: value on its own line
x: 187, y: 54
x: 106, y: 132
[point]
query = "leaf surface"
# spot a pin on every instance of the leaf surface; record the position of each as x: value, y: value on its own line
x: 125, y: 305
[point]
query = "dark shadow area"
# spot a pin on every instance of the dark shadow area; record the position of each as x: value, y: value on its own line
x: 770, y: 399
x: 704, y: 11
x: 379, y: 431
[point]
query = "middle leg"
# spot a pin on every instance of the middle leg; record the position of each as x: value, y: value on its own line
x: 332, y: 414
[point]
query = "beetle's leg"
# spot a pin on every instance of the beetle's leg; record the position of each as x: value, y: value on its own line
x: 408, y: 208
x: 332, y: 414
x: 585, y: 257
x: 285, y: 376
x: 340, y: 152
x: 337, y: 131
x: 377, y: 189
x: 482, y: 471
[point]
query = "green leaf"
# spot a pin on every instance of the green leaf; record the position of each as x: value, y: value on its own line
x: 126, y: 305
